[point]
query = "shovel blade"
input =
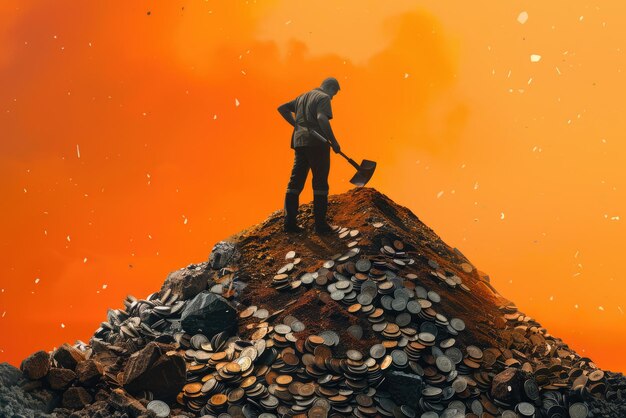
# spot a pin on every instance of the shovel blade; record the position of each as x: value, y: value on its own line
x: 364, y: 173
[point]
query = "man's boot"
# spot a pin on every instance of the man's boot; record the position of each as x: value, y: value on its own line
x: 320, y: 204
x: 291, y: 212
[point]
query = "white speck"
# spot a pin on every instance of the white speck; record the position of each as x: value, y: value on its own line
x: 522, y: 17
x: 558, y: 71
x: 287, y: 22
x: 25, y: 191
x: 37, y: 280
x: 243, y: 72
x: 615, y: 218
x: 620, y: 310
x: 89, y: 43
x: 603, y: 141
x: 214, y: 117
x: 551, y: 298
x: 62, y: 325
x: 68, y: 238
x: 85, y: 260
x: 439, y: 194
x: 535, y: 58
x: 77, y: 151
x: 236, y: 102
x: 576, y: 306
x: 104, y: 286
x: 501, y: 215
x: 580, y: 19
x: 509, y: 388
x: 509, y: 74
x: 406, y: 75
x: 576, y: 255
x: 601, y: 308
x: 476, y: 186
x: 149, y: 236
x: 530, y: 80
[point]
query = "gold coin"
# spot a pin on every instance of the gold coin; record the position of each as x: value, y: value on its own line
x: 284, y: 380
x: 218, y: 399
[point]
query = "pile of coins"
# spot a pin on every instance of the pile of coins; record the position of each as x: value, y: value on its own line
x: 273, y: 372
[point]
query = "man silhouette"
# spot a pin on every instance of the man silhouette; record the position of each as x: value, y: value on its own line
x: 312, y: 111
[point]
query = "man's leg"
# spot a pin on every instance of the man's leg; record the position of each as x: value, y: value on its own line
x: 320, y: 165
x: 299, y: 173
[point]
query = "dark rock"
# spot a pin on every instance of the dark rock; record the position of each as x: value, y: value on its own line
x: 10, y: 375
x: 76, y: 398
x: 222, y: 254
x: 209, y: 314
x: 123, y: 402
x: 188, y: 282
x: 89, y: 372
x: 405, y: 388
x: 36, y: 365
x: 59, y: 378
x: 103, y: 353
x: 162, y: 372
x: 508, y: 385
x: 67, y: 356
x: 15, y: 401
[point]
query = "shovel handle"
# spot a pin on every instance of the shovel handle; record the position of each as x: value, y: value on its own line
x: 350, y: 160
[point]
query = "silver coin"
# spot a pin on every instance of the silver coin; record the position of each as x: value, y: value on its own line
x: 160, y: 408
x: 578, y: 410
x: 457, y: 324
x: 337, y: 295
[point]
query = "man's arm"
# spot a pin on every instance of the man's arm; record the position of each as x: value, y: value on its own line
x: 327, y: 131
x: 286, y: 111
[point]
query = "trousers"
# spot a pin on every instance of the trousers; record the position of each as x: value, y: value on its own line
x: 316, y: 159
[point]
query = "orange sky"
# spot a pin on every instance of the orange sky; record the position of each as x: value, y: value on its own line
x: 124, y: 154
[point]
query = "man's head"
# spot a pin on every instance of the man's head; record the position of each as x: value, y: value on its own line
x: 331, y: 86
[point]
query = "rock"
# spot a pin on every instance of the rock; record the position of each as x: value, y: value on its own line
x: 89, y: 372
x: 123, y: 402
x: 209, y: 314
x: 59, y: 378
x: 67, y: 356
x: 187, y: 282
x: 102, y: 353
x: 222, y: 254
x: 76, y: 398
x: 508, y: 385
x: 164, y: 373
x: 16, y: 401
x: 406, y: 388
x: 36, y: 365
x: 10, y: 375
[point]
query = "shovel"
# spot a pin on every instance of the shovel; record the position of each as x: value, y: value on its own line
x: 364, y: 172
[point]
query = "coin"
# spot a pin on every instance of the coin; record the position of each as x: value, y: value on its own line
x: 290, y: 254
x: 526, y: 409
x: 377, y: 351
x: 596, y: 375
x: 160, y: 408
x: 444, y: 364
x: 249, y: 311
x: 354, y: 355
x: 578, y: 410
x: 457, y: 324
x: 467, y: 267
x: 531, y: 389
